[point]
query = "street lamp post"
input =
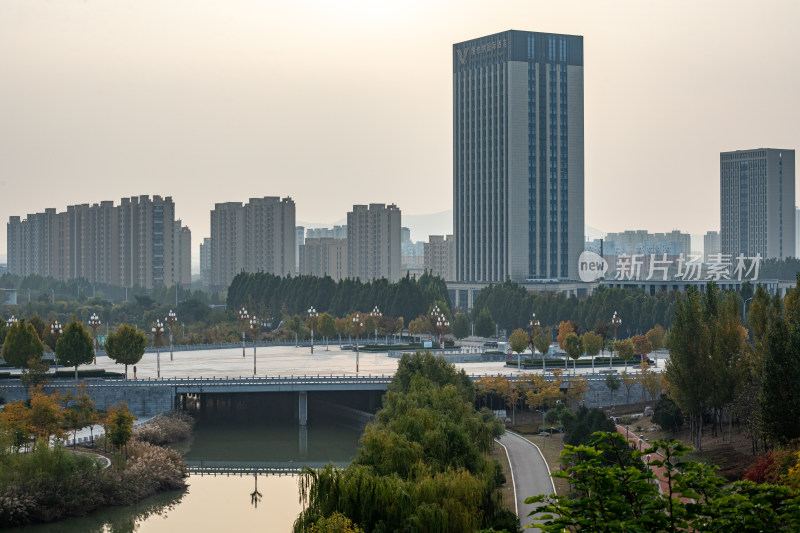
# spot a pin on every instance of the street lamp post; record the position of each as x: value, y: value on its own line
x: 94, y: 323
x: 312, y: 318
x: 358, y: 326
x: 56, y: 330
x: 376, y: 314
x: 534, y: 325
x: 244, y: 316
x: 169, y: 321
x: 616, y: 321
x: 255, y: 326
x: 158, y: 330
x: 440, y: 322
x: 11, y: 321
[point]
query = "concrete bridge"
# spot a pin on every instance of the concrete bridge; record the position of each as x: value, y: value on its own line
x: 151, y: 397
x: 239, y: 468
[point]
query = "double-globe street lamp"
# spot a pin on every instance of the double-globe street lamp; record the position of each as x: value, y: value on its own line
x: 376, y: 315
x: 169, y: 321
x: 157, y: 330
x: 440, y: 322
x: 244, y: 316
x: 56, y: 329
x: 94, y: 323
x: 312, y: 318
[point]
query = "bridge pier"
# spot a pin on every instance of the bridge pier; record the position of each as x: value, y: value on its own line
x: 302, y: 408
x: 303, y: 442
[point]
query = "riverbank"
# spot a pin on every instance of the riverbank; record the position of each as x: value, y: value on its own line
x: 52, y: 483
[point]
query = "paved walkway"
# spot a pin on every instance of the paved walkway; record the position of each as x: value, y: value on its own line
x: 530, y: 475
x: 659, y: 471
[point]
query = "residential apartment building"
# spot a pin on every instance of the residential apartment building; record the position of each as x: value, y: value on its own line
x: 757, y: 214
x: 373, y: 242
x: 711, y: 244
x: 258, y: 236
x: 336, y: 232
x: 137, y: 243
x: 205, y: 262
x: 324, y: 257
x: 518, y: 156
x: 632, y: 242
x: 440, y: 256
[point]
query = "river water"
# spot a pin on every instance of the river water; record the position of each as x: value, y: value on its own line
x: 221, y: 501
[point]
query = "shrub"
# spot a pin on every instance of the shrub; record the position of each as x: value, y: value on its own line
x: 165, y: 429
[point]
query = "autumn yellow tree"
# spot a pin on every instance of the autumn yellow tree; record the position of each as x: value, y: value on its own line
x: 650, y: 381
x: 564, y: 329
x: 15, y: 419
x: 46, y: 415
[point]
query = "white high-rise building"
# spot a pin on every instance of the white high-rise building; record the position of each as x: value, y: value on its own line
x: 518, y: 165
x: 757, y: 212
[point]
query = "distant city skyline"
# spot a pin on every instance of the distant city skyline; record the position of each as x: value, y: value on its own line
x: 209, y: 102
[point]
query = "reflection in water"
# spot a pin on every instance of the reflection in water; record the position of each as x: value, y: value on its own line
x: 115, y: 519
x: 219, y: 501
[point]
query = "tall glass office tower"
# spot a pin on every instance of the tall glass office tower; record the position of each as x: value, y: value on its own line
x: 518, y: 156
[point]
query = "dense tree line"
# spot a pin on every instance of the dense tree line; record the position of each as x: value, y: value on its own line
x: 511, y: 306
x: 422, y: 463
x: 48, y: 290
x: 271, y: 295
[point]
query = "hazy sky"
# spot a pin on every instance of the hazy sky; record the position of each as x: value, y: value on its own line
x: 342, y: 102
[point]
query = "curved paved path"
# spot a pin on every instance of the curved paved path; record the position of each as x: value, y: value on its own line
x: 529, y: 472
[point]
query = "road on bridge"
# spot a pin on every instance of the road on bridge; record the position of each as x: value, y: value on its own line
x: 529, y: 472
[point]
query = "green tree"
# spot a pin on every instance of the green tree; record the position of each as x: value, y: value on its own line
x: 543, y: 340
x: 612, y: 384
x: 656, y: 337
x: 484, y: 325
x: 519, y: 341
x: 22, y: 344
x: 126, y: 346
x: 592, y: 343
x: 573, y: 345
x: 780, y: 391
x: 295, y: 325
x: 667, y: 414
x: 38, y: 324
x: 75, y: 346
x: 624, y: 349
x: 460, y: 326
